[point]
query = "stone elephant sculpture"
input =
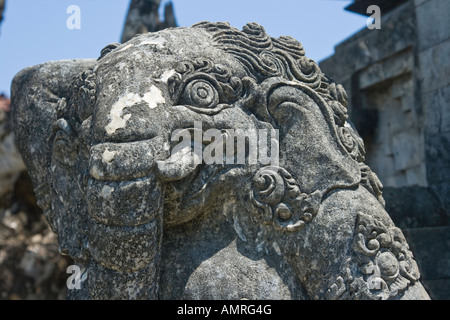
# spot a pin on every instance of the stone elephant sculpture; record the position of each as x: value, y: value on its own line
x: 136, y: 163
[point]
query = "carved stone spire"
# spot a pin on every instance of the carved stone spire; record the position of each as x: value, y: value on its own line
x: 143, y: 17
x: 2, y: 8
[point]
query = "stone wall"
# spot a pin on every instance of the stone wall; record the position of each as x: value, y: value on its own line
x: 378, y: 68
x: 433, y: 51
x: 398, y: 81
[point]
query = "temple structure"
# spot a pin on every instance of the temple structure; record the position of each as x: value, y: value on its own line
x: 398, y: 81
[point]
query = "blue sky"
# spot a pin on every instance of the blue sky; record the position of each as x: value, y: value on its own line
x: 34, y: 32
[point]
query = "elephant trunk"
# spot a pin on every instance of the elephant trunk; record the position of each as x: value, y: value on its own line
x: 125, y: 221
x: 345, y: 246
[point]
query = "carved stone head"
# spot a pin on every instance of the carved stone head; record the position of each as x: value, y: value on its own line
x: 180, y: 160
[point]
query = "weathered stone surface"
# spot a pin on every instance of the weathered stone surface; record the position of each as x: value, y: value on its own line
x: 438, y: 289
x: 435, y: 67
x: 120, y: 181
x: 384, y: 104
x: 399, y: 104
x: 398, y: 33
x: 442, y: 190
x: 438, y: 153
x: 431, y: 34
x: 414, y: 207
x: 393, y: 131
x: 430, y: 246
x: 437, y: 111
x: 388, y: 69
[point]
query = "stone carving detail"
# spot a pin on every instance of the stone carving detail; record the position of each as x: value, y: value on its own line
x: 218, y: 86
x: 280, y: 201
x: 385, y: 264
x: 337, y: 289
x: 385, y: 257
x: 147, y: 220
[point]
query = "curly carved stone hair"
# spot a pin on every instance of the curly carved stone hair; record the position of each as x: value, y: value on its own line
x: 263, y: 57
x: 266, y: 57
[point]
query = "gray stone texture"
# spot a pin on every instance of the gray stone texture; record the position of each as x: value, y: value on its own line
x: 434, y: 28
x: 435, y: 66
x: 400, y: 105
x: 146, y: 221
x: 414, y: 207
x: 430, y: 246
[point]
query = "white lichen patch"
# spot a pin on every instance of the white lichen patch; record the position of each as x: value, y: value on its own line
x: 95, y: 173
x: 108, y: 156
x: 154, y: 97
x: 166, y: 75
x: 106, y: 192
x: 158, y: 41
x: 117, y: 120
x: 126, y: 47
x: 122, y: 65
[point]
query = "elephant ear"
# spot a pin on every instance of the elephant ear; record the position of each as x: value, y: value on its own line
x: 36, y: 93
x: 311, y: 147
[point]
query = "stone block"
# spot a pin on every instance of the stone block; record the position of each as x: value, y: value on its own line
x: 407, y: 147
x: 437, y: 111
x: 398, y: 33
x: 433, y: 25
x: 437, y: 150
x: 392, y: 67
x: 414, y: 207
x: 398, y: 120
x: 435, y: 67
x: 438, y: 289
x: 431, y: 248
x: 442, y: 190
x: 417, y: 176
x: 396, y: 180
x: 381, y: 164
x: 334, y: 68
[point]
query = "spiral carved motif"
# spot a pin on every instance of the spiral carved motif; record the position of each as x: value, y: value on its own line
x: 279, y: 201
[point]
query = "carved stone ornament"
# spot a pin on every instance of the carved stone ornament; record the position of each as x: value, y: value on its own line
x: 207, y: 163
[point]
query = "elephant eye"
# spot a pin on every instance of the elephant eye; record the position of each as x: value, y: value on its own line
x: 200, y: 93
